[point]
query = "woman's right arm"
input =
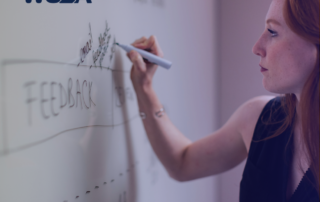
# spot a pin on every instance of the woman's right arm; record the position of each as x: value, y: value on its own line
x: 183, y: 159
x: 166, y: 140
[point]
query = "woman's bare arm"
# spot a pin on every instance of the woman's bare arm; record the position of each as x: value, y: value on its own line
x: 226, y: 147
x: 183, y: 159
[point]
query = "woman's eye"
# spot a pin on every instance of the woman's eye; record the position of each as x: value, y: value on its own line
x: 273, y: 33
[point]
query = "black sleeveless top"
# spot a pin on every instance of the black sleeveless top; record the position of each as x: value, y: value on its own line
x: 267, y: 169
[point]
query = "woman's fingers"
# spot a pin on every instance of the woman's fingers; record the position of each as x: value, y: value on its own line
x: 142, y: 70
x: 150, y: 44
x: 138, y: 41
x: 137, y: 60
x: 154, y: 46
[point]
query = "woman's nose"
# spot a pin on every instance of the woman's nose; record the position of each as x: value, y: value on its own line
x: 258, y: 48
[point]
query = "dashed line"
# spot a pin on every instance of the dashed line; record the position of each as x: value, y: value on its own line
x: 105, y: 183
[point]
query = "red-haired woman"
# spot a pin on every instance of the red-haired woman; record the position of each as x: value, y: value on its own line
x: 280, y: 136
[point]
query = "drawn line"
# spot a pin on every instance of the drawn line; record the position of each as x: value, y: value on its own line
x: 58, y: 134
x: 3, y: 110
x: 21, y: 61
x: 97, y: 187
x: 112, y: 94
x: 3, y: 65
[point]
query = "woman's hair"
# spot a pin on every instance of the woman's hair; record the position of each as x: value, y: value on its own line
x: 302, y: 16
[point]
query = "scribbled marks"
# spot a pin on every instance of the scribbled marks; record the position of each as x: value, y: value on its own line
x: 87, y: 48
x: 123, y: 197
x: 141, y: 1
x: 156, y: 3
x: 123, y: 94
x: 99, y: 54
x: 104, y: 42
x: 113, y: 49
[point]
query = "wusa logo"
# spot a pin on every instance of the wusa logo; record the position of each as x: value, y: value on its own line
x: 59, y: 1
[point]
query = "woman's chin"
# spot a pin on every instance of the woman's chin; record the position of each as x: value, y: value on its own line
x: 271, y: 88
x: 276, y: 88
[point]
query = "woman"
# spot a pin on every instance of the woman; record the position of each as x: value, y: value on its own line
x: 280, y: 136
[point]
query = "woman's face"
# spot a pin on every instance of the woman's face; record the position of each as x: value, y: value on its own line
x: 286, y: 59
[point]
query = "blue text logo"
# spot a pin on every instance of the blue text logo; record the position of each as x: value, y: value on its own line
x: 59, y: 1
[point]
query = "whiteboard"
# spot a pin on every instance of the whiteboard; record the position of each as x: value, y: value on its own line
x: 70, y: 125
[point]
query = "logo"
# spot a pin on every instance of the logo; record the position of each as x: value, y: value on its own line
x: 59, y: 1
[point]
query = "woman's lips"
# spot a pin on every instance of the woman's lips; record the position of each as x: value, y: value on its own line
x: 263, y: 69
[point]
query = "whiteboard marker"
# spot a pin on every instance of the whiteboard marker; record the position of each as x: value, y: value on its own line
x: 149, y: 56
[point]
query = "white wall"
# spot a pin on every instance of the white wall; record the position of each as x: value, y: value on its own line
x: 241, y: 24
x: 61, y: 166
x: 192, y: 37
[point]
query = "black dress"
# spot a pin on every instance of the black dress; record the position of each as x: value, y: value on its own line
x: 266, y: 172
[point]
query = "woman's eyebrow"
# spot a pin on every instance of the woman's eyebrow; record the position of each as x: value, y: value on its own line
x: 273, y: 21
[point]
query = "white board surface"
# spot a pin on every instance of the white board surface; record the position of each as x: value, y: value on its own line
x: 70, y: 129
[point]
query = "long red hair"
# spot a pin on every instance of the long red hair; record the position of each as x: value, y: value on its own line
x: 302, y: 16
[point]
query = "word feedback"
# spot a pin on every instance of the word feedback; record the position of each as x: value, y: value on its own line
x: 59, y: 1
x: 54, y: 97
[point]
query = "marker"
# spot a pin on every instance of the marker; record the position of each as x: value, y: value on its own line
x: 149, y: 56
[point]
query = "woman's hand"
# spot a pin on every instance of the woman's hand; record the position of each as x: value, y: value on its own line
x: 142, y: 71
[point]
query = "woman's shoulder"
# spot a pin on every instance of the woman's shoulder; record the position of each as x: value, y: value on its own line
x: 249, y: 113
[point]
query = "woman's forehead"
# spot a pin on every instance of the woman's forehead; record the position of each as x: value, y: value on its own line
x: 275, y: 12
